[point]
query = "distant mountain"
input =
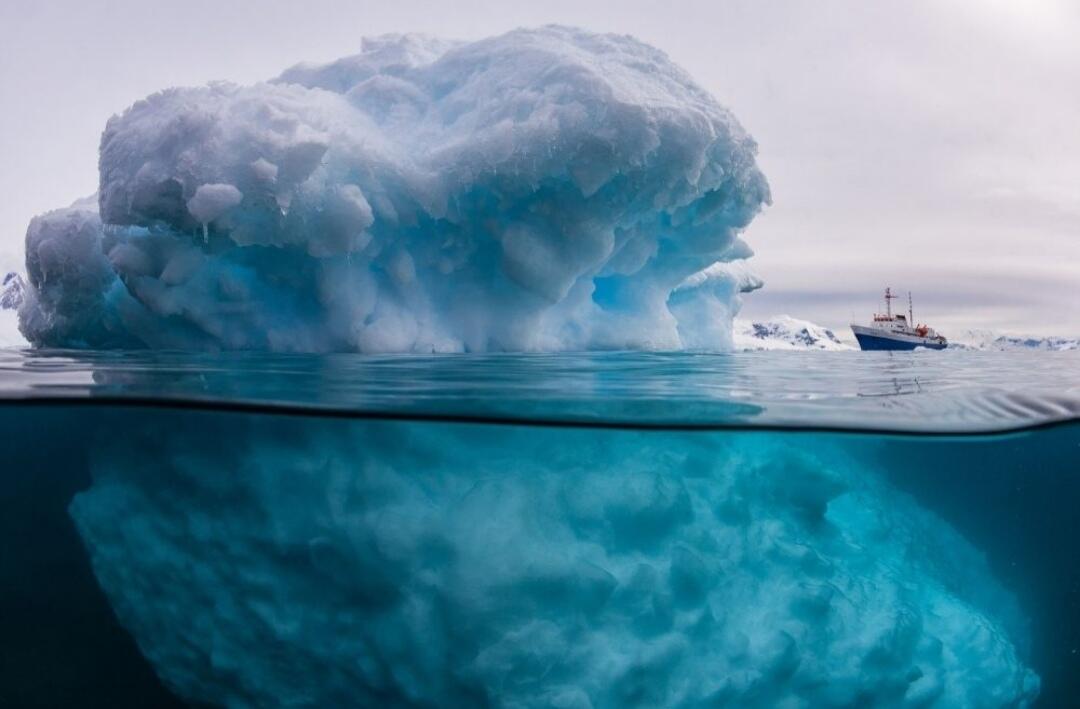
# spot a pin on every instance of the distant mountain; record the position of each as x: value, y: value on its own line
x: 784, y: 332
x: 989, y: 340
x: 11, y: 291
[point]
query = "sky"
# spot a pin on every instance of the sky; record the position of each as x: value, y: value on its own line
x: 931, y: 146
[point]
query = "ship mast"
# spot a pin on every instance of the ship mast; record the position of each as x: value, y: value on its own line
x: 910, y: 312
x: 889, y: 297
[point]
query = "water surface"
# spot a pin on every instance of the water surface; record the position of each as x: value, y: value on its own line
x: 931, y: 392
x: 598, y: 530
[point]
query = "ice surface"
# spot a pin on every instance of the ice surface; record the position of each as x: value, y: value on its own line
x: 71, y: 281
x: 280, y: 561
x: 546, y: 189
x: 213, y: 201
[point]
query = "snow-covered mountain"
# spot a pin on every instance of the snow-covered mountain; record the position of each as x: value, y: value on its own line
x: 11, y: 291
x: 990, y: 340
x: 784, y: 332
x: 11, y: 296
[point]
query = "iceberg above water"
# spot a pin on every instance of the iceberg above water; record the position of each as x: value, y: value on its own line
x: 275, y: 561
x: 546, y: 189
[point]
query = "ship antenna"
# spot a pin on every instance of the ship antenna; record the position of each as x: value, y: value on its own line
x: 888, y: 302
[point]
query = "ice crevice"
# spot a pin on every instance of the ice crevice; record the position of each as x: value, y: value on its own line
x: 546, y: 189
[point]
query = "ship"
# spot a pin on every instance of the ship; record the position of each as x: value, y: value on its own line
x: 896, y: 332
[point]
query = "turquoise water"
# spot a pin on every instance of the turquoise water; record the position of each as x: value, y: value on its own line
x: 835, y: 529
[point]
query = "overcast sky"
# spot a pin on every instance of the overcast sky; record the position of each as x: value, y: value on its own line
x: 931, y: 146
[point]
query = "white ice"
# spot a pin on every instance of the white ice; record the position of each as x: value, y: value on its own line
x: 547, y: 189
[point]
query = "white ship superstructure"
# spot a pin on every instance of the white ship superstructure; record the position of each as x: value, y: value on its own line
x: 890, y: 331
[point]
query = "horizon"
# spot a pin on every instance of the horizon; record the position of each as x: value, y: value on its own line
x: 926, y: 148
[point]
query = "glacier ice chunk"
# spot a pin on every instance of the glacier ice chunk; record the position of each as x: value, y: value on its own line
x: 70, y: 282
x: 546, y: 189
x: 211, y: 201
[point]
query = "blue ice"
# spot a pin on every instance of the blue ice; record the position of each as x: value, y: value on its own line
x: 272, y: 561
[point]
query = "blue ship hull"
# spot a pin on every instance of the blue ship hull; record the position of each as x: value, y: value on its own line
x: 872, y: 342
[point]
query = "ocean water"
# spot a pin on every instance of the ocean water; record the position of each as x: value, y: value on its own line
x: 622, y: 529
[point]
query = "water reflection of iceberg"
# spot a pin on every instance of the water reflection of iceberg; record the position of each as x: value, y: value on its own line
x: 306, y: 561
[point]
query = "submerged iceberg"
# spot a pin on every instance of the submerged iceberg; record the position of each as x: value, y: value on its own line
x: 288, y: 561
x: 544, y: 189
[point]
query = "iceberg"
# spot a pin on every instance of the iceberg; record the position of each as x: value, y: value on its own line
x: 274, y: 560
x: 546, y: 189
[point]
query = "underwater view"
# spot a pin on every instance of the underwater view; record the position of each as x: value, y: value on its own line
x: 526, y: 530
